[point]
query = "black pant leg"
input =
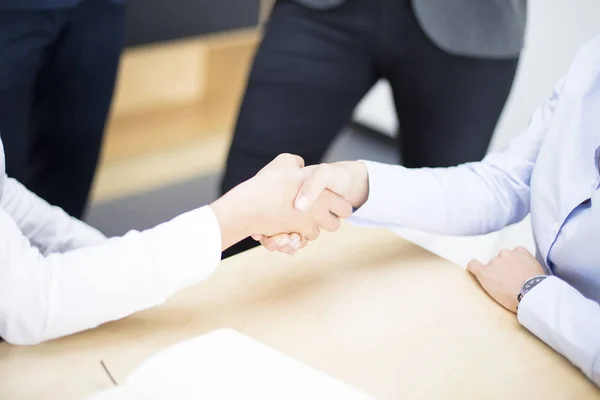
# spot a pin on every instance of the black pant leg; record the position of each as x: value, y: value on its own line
x: 310, y: 71
x: 26, y: 38
x: 73, y: 98
x: 448, y: 105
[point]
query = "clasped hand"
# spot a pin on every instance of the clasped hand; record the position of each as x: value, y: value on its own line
x: 287, y: 204
x: 319, y: 196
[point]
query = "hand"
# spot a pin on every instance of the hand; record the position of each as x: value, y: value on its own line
x: 326, y: 206
x: 347, y: 179
x: 264, y: 205
x: 503, y: 277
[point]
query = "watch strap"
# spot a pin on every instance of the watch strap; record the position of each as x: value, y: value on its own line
x: 530, y: 284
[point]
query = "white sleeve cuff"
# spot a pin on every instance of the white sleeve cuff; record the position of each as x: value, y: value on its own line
x: 382, y: 206
x: 565, y: 320
x: 188, y: 248
x: 537, y: 305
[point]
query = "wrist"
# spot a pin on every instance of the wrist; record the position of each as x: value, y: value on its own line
x: 359, y: 188
x: 529, y: 284
x: 234, y: 216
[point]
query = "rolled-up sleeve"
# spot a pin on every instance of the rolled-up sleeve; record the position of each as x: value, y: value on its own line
x: 565, y: 320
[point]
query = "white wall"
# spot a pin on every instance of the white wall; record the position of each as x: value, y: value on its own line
x: 556, y: 29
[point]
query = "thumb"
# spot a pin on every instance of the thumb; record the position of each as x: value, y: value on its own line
x: 299, y: 161
x: 475, y: 267
x: 312, y: 188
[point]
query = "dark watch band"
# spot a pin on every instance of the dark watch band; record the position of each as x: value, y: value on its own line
x: 530, y: 284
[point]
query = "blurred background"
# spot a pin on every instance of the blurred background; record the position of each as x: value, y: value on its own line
x: 182, y: 77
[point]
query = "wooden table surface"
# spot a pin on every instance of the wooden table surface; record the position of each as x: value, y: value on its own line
x: 363, y: 305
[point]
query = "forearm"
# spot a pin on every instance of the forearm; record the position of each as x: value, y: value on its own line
x: 46, y: 297
x: 566, y: 321
x: 470, y: 199
x: 234, y: 218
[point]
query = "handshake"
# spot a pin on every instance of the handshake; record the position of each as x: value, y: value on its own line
x: 287, y: 204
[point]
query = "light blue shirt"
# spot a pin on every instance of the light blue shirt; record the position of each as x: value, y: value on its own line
x: 565, y: 207
x: 552, y: 171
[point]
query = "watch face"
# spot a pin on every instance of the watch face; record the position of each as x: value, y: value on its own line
x: 531, y: 283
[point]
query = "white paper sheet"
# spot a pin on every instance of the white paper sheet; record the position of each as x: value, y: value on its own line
x: 225, y: 364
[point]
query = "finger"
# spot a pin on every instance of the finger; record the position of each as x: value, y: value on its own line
x: 314, y: 234
x: 296, y: 241
x: 275, y: 243
x: 299, y: 245
x: 339, y: 207
x: 321, y: 215
x: 257, y: 237
x: 286, y: 249
x: 292, y: 243
x: 328, y: 222
x: 266, y: 244
x: 312, y: 188
x: 306, y: 172
x: 339, y: 179
x: 504, y: 253
x: 302, y: 243
x: 299, y: 161
x: 475, y: 267
x: 333, y: 177
x: 287, y: 157
x: 283, y: 239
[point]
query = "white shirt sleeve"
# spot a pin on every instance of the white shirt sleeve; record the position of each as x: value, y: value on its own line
x: 471, y: 199
x: 565, y: 320
x: 44, y: 297
x: 48, y: 228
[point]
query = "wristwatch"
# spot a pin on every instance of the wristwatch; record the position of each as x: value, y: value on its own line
x: 530, y: 284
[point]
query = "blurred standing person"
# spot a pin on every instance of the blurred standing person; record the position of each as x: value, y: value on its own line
x: 58, y: 65
x: 450, y: 63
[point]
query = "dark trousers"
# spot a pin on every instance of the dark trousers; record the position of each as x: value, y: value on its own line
x: 57, y: 74
x: 314, y: 66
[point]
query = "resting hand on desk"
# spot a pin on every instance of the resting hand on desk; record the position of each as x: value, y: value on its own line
x: 503, y: 277
x: 348, y: 179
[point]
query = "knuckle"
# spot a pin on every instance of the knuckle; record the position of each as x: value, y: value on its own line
x: 504, y: 253
x: 322, y: 169
x: 282, y: 157
x: 522, y: 250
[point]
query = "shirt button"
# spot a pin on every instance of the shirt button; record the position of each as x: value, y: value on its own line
x: 555, y: 228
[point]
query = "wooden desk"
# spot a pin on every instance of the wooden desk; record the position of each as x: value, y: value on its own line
x: 362, y: 305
